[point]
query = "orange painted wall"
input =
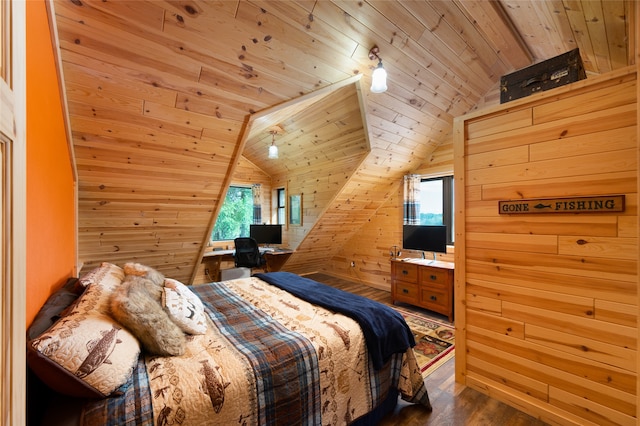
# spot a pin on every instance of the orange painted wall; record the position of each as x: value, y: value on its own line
x: 51, y: 229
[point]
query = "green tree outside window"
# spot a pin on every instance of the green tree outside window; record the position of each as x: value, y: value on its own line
x: 235, y: 215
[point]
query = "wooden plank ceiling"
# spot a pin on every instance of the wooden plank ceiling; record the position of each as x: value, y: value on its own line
x: 159, y: 92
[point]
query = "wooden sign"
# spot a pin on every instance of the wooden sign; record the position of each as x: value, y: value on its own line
x: 601, y: 204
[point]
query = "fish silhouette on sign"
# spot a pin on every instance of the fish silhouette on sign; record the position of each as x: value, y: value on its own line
x: 213, y: 385
x: 542, y: 206
x: 99, y: 352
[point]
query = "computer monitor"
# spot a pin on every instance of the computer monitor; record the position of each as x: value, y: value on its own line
x: 266, y: 234
x: 425, y: 238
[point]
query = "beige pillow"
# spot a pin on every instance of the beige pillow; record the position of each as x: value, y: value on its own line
x: 87, y: 353
x: 184, y: 307
x: 108, y: 276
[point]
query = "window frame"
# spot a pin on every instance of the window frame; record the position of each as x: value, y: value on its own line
x: 281, y: 206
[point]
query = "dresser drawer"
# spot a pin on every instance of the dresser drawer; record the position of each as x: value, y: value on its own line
x: 405, y: 271
x: 434, y: 276
x: 435, y: 298
x: 425, y: 284
x: 405, y: 292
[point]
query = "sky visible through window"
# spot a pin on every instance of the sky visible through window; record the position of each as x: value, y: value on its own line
x: 431, y: 202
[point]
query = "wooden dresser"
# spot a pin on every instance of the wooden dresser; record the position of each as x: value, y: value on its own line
x: 424, y: 283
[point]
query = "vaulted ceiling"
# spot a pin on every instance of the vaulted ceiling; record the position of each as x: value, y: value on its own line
x: 160, y: 97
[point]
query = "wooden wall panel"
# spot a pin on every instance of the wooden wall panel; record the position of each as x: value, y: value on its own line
x: 370, y: 245
x: 245, y: 174
x: 547, y: 303
x: 171, y: 85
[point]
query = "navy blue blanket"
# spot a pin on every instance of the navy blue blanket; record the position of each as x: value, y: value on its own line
x: 384, y: 329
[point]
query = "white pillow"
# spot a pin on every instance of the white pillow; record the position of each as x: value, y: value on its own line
x: 184, y: 307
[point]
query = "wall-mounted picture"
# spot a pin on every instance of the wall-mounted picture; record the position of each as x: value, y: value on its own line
x: 295, y: 209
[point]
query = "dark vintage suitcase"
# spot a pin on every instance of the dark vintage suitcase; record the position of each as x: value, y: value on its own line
x: 555, y: 72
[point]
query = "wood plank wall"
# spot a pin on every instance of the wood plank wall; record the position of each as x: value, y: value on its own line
x: 319, y: 187
x: 245, y: 174
x: 370, y: 243
x: 369, y: 248
x: 546, y: 304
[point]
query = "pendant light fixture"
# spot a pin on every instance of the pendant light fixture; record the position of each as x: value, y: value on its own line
x: 379, y: 77
x: 273, y: 149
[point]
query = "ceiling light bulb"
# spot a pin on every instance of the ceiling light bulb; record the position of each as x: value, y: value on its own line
x: 273, y: 151
x: 379, y: 79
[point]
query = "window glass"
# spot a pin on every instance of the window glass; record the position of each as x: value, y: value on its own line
x: 431, y: 202
x: 235, y: 215
x: 436, y: 203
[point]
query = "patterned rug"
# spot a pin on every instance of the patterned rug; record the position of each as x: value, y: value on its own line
x: 434, y: 341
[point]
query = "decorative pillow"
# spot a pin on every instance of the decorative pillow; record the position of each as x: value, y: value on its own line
x: 144, y: 271
x: 184, y: 307
x: 109, y: 277
x: 86, y: 353
x: 54, y: 308
x: 135, y: 305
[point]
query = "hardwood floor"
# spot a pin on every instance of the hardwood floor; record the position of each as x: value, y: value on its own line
x: 453, y: 404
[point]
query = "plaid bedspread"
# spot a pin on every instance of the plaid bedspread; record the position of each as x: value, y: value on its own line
x: 267, y: 358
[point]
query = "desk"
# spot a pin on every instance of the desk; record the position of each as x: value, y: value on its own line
x: 275, y: 258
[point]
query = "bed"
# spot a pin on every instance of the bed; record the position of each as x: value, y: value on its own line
x: 277, y: 349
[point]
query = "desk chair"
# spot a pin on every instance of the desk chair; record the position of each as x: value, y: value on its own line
x: 247, y: 254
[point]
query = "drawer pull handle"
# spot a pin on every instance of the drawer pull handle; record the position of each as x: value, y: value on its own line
x: 433, y: 277
x: 405, y: 291
x: 434, y: 298
x: 405, y: 272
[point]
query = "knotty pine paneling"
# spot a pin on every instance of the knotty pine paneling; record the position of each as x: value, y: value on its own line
x: 551, y: 362
x: 534, y: 388
x: 615, y: 118
x: 615, y: 269
x: 245, y: 174
x: 175, y: 82
x: 547, y: 303
x: 565, y: 225
x: 598, y: 183
x: 498, y: 367
x: 598, y: 286
x: 551, y: 300
x: 369, y: 248
x: 499, y: 123
x: 587, y: 102
x: 619, y: 313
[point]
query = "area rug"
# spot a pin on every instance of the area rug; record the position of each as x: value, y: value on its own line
x: 435, y: 341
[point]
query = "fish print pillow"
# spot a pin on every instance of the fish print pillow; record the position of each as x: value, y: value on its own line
x: 86, y: 353
x: 184, y: 307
